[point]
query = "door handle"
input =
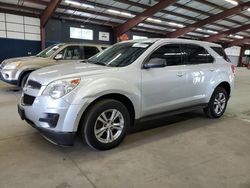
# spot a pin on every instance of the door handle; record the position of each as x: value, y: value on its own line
x: 212, y: 70
x: 180, y: 74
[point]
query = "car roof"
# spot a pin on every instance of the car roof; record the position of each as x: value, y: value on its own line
x: 83, y: 44
x: 177, y: 40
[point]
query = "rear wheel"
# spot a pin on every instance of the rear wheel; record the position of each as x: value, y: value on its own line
x: 106, y: 124
x: 217, y: 104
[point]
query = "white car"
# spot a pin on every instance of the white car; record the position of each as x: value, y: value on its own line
x: 128, y: 82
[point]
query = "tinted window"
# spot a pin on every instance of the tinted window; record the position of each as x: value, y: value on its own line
x: 194, y: 54
x: 89, y: 51
x: 71, y: 53
x: 221, y: 52
x: 171, y: 53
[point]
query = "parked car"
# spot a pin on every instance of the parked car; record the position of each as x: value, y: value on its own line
x: 129, y: 82
x: 15, y: 71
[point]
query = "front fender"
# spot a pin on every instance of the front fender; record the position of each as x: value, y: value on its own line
x: 94, y: 89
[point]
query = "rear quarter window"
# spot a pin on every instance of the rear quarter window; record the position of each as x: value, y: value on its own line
x: 220, y: 51
x: 194, y: 54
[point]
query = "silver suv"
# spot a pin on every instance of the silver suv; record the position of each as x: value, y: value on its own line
x: 16, y: 70
x: 133, y: 80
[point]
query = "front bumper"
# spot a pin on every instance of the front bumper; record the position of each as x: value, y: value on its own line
x: 59, y: 138
x: 12, y: 82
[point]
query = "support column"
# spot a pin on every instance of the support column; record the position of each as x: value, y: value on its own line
x: 242, y: 50
x: 43, y: 38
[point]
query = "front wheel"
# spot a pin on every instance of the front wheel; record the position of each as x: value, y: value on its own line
x: 217, y: 104
x: 105, y: 124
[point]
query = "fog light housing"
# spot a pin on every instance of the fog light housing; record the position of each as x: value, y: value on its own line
x: 51, y: 119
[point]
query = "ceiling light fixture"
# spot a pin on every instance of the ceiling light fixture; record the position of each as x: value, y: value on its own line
x: 175, y: 24
x: 211, y: 31
x: 119, y: 12
x: 114, y: 11
x: 232, y: 2
x: 73, y: 2
x: 236, y: 36
x: 199, y: 29
x: 79, y: 4
x: 87, y: 6
x: 154, y: 20
x: 126, y: 14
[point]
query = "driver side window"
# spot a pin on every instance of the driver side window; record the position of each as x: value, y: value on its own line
x: 170, y: 52
x: 71, y: 53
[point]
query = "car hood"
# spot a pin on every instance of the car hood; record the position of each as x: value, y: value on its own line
x: 23, y: 60
x: 70, y: 70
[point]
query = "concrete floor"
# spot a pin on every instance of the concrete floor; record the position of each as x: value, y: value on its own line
x: 187, y: 150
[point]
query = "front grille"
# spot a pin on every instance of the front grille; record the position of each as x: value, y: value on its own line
x: 28, y: 99
x: 33, y: 84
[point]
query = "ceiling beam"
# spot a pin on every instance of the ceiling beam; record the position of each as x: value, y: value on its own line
x: 18, y: 8
x: 220, y: 7
x: 211, y: 19
x: 143, y: 16
x: 124, y: 18
x: 21, y: 13
x: 119, y: 9
x: 216, y: 37
x: 197, y: 11
x: 239, y: 42
x: 132, y: 3
x: 50, y: 9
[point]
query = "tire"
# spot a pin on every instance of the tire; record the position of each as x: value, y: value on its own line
x: 217, y: 104
x: 24, y: 79
x: 99, y: 129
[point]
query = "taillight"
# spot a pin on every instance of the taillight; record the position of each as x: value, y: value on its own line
x: 233, y: 67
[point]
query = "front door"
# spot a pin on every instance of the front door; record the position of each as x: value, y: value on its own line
x: 164, y: 88
x: 70, y: 54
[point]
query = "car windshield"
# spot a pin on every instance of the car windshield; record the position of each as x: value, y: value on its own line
x: 121, y: 54
x: 49, y: 51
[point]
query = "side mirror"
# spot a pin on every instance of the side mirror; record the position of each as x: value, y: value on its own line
x: 155, y: 63
x: 58, y: 57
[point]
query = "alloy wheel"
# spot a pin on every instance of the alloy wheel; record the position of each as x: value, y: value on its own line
x: 109, y: 126
x: 219, y: 103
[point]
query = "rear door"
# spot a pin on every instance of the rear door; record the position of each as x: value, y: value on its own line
x: 200, y: 71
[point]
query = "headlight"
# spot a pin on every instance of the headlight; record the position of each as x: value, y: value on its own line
x: 60, y: 88
x: 13, y: 65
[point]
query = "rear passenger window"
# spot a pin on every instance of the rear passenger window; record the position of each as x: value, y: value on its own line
x: 194, y: 54
x: 89, y: 51
x: 221, y: 52
x: 170, y: 52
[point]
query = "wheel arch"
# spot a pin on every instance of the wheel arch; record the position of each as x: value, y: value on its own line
x: 22, y: 74
x: 226, y: 86
x: 116, y: 96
